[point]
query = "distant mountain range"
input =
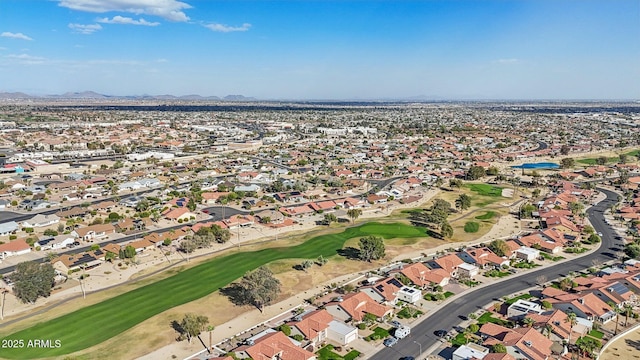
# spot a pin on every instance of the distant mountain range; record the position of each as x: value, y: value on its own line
x: 92, y: 95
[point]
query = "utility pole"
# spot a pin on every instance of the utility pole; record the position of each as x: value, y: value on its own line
x: 4, y: 300
x: 420, y: 347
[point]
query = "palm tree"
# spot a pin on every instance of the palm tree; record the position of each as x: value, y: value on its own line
x: 572, y: 320
x: 618, y: 311
x: 627, y: 309
x: 210, y: 329
x: 528, y: 321
x: 548, y: 329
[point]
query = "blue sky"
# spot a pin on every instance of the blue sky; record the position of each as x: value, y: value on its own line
x: 543, y: 49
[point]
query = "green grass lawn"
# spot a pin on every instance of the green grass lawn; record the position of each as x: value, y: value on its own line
x: 326, y: 353
x: 549, y: 257
x: 94, y: 324
x: 485, y: 189
x: 497, y: 273
x: 488, y: 318
x: 471, y: 227
x: 613, y: 159
x: 519, y: 297
x: 378, y: 332
x: 407, y: 313
x: 459, y: 340
x: 487, y: 216
x: 596, y: 334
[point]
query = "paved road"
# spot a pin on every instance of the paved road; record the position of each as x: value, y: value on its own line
x: 215, y: 212
x: 448, y: 316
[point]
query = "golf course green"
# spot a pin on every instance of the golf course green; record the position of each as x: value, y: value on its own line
x: 94, y: 324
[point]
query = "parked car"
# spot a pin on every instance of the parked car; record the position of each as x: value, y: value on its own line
x: 389, y: 342
x: 440, y: 333
x: 407, y: 358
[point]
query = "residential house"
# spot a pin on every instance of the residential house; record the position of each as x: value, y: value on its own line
x: 276, y: 345
x: 521, y: 308
x: 588, y: 306
x: 559, y: 326
x: 180, y: 214
x: 54, y: 243
x: 8, y: 228
x: 470, y: 351
x: 341, y: 333
x: 73, y: 262
x: 314, y: 326
x: 355, y: 306
x: 41, y: 220
x: 424, y: 277
x: 520, y: 343
x: 94, y: 231
x: 274, y: 217
x: 14, y: 248
x: 482, y: 257
x: 527, y: 253
x: 449, y: 263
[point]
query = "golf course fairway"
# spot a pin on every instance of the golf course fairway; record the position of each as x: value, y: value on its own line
x: 94, y: 324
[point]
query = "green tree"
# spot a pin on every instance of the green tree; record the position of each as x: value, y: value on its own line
x: 475, y: 173
x: 329, y: 218
x: 371, y: 248
x: 50, y: 232
x: 457, y: 183
x: 567, y: 163
x: 601, y: 160
x: 587, y: 345
x: 499, y: 348
x: 191, y: 204
x: 632, y: 250
x: 446, y: 230
x: 526, y: 211
x: 353, y: 214
x: 306, y: 265
x: 499, y: 247
x: 259, y: 287
x: 463, y: 202
x: 32, y: 280
x: 192, y: 325
x: 321, y: 260
x: 286, y: 329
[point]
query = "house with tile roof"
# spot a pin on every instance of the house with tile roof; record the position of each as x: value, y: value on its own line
x: 423, y: 277
x: 449, y: 263
x: 588, y: 306
x: 276, y: 345
x: 94, y: 231
x: 527, y: 342
x: 355, y: 306
x: 314, y: 326
x: 14, y: 248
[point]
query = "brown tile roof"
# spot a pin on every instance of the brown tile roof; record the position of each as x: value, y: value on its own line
x: 271, y: 344
x: 313, y: 323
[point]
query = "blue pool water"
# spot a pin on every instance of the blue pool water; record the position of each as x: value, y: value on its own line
x: 540, y: 165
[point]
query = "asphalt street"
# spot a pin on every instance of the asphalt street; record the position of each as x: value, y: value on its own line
x: 215, y: 213
x: 422, y: 335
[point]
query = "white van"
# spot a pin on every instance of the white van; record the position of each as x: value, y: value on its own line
x: 402, y: 332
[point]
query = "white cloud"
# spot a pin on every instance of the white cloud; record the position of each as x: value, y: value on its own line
x: 25, y: 59
x: 126, y: 21
x: 168, y: 9
x: 85, y: 29
x: 507, y: 61
x: 226, y: 28
x: 11, y: 35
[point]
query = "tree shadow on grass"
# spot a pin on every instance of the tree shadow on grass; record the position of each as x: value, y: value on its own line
x: 350, y: 253
x: 236, y: 294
